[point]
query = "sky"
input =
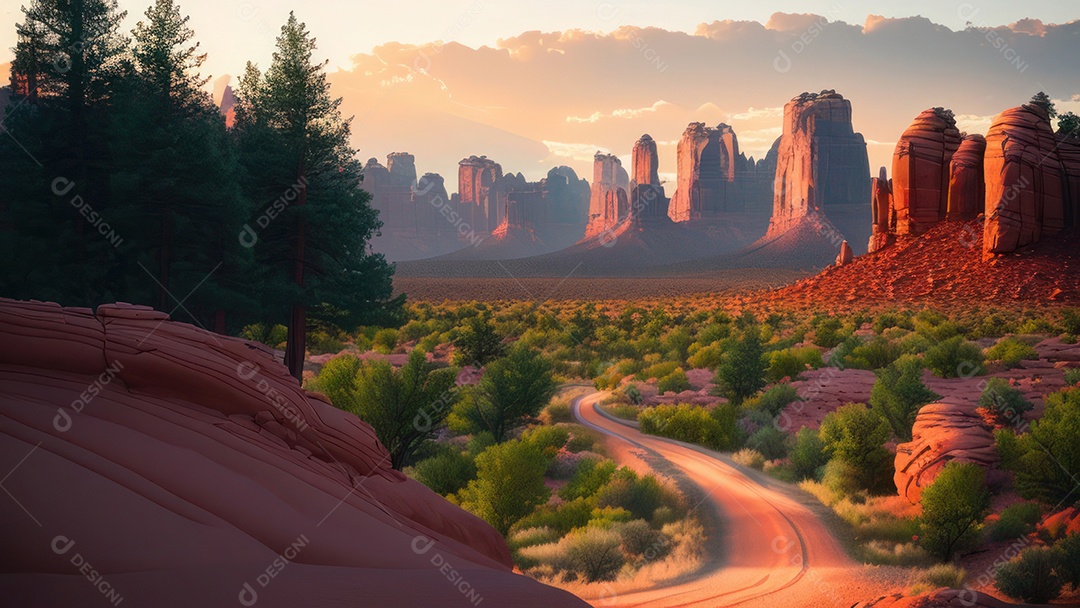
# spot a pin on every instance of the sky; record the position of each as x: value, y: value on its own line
x: 539, y: 84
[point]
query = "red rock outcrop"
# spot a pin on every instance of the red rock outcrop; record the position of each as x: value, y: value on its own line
x: 881, y: 206
x: 845, y: 256
x: 1061, y: 524
x: 184, y: 468
x: 706, y: 173
x: 1028, y: 190
x: 476, y: 175
x: 921, y: 161
x: 821, y: 161
x: 647, y: 200
x: 609, y: 201
x: 967, y: 188
x: 432, y: 205
x: 942, y: 432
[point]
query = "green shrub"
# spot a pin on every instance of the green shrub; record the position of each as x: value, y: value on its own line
x: 1003, y: 401
x: 873, y: 355
x: 594, y: 554
x: 675, y: 382
x: 955, y: 358
x: 1070, y: 320
x: 658, y: 370
x: 478, y: 343
x: 1032, y: 576
x: 1049, y: 460
x: 530, y: 537
x: 509, y: 484
x: 770, y: 442
x: 706, y: 357
x: 384, y: 341
x: 690, y: 423
x: 582, y: 439
x: 563, y: 518
x: 774, y: 400
x: 641, y: 496
x: 856, y: 435
x: 557, y: 411
x: 633, y: 395
x: 827, y: 332
x: 548, y: 438
x: 808, y: 454
x: 1010, y: 352
x: 446, y: 472
x: 953, y: 505
x: 640, y: 540
x: 1016, y: 520
x: 321, y: 342
x: 749, y: 458
x: 841, y: 478
x: 892, y: 319
x: 591, y: 475
x: 271, y: 335
x: 790, y: 362
x: 1072, y: 376
x: 899, y: 393
x: 945, y: 575
x: 1070, y: 559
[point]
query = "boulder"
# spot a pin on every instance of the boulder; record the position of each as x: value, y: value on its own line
x: 184, y: 465
x: 845, y: 256
x: 941, y: 598
x: 943, y: 432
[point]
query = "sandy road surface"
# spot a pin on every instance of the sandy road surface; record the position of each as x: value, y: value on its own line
x: 770, y: 549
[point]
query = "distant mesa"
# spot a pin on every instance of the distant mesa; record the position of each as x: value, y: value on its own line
x: 706, y: 173
x: 821, y: 165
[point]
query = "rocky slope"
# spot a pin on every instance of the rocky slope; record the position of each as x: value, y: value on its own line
x: 155, y: 464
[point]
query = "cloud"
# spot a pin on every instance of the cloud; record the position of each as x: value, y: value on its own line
x: 625, y: 113
x: 755, y: 113
x: 579, y: 152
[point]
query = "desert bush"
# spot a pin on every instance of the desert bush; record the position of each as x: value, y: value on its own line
x: 707, y: 357
x: 749, y: 458
x: 594, y: 554
x: 624, y: 411
x: 1072, y: 376
x: 953, y: 505
x: 1070, y: 559
x: 1070, y: 320
x: 1032, y: 576
x: 1003, y: 401
x: 384, y: 341
x: 557, y: 411
x: 827, y: 331
x: 945, y: 575
x: 899, y: 393
x: 509, y: 484
x: 583, y: 439
x: 446, y: 472
x: 271, y: 335
x: 478, y: 343
x: 641, y: 540
x: 530, y: 537
x: 548, y: 438
x: 914, y: 344
x: 885, y: 553
x: 774, y: 400
x: 633, y: 395
x: 658, y: 370
x: 856, y: 435
x: 808, y: 453
x: 1010, y: 352
x: 1016, y: 520
x: 887, y: 320
x: 641, y: 496
x: 790, y: 362
x: 609, y: 517
x: 591, y: 475
x: 511, y: 392
x: 1047, y: 460
x: 690, y: 423
x: 675, y: 382
x: 955, y: 358
x: 770, y: 442
x: 873, y: 355
x: 321, y: 342
x: 779, y: 469
x: 841, y: 478
x: 561, y: 518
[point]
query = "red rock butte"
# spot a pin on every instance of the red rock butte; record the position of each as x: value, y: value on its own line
x: 181, y: 464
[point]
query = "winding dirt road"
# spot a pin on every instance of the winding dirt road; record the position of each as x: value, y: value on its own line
x: 770, y: 549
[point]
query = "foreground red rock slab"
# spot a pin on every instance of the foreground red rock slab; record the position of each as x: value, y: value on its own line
x: 149, y: 463
x: 942, y: 598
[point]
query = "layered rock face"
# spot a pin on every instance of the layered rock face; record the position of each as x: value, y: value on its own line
x: 391, y: 188
x: 942, y: 432
x: 921, y: 171
x: 476, y: 175
x: 821, y: 161
x: 967, y: 190
x: 881, y: 206
x: 706, y: 173
x: 552, y: 210
x: 755, y: 181
x: 1030, y: 192
x: 609, y: 201
x: 647, y: 200
x: 181, y: 466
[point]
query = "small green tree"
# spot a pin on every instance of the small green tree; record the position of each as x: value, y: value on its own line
x: 856, y: 436
x: 742, y: 370
x: 1042, y: 100
x: 953, y: 506
x: 478, y: 343
x: 404, y: 406
x: 1048, y: 465
x: 1069, y: 125
x: 509, y: 484
x: 899, y: 392
x: 511, y: 392
x: 1003, y: 401
x: 808, y: 454
x: 955, y: 358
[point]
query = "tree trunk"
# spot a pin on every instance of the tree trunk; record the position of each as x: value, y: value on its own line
x: 163, y: 263
x: 219, y: 322
x: 297, y: 340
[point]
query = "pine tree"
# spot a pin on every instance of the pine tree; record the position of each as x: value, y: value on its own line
x: 311, y: 221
